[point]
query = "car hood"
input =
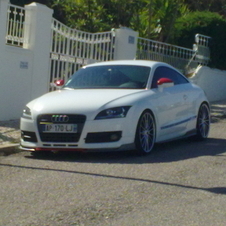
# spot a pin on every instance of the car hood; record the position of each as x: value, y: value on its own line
x: 82, y: 101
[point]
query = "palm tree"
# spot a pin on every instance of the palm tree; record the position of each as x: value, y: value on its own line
x: 159, y: 17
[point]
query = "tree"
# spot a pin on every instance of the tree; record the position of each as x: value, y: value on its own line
x: 97, y: 15
x: 158, y: 17
x: 151, y: 18
x: 207, y: 5
x: 85, y: 15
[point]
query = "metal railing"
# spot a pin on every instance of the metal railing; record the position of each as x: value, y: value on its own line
x: 73, y: 42
x: 177, y: 56
x: 15, y: 25
x: 202, y: 48
x: 202, y: 40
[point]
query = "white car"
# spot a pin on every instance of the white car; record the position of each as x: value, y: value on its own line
x: 116, y: 105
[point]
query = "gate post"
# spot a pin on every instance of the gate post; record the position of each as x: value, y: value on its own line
x: 38, y: 20
x: 3, y: 21
x: 125, y: 44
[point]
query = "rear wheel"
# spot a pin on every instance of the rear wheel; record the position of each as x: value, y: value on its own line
x: 145, y: 133
x: 203, y: 122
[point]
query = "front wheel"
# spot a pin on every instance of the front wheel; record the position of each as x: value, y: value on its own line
x: 203, y: 122
x: 145, y: 133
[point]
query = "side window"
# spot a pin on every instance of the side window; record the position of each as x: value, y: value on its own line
x: 180, y: 78
x: 165, y: 72
x: 157, y: 75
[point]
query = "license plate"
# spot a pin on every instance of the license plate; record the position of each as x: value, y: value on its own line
x: 60, y: 128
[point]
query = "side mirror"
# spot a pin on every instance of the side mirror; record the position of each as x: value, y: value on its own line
x: 165, y: 82
x: 57, y: 84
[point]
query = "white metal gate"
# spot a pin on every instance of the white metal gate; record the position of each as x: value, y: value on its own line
x: 71, y: 49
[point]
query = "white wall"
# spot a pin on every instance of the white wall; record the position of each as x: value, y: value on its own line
x: 38, y: 32
x: 15, y: 81
x: 125, y: 44
x: 212, y: 81
x: 24, y: 72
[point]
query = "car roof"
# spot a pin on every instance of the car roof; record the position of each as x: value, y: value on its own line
x: 148, y: 63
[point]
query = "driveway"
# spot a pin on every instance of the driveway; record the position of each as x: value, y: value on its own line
x: 180, y: 183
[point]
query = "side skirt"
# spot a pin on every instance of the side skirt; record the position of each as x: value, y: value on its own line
x: 188, y: 134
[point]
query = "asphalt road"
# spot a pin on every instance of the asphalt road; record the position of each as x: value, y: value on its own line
x: 181, y: 183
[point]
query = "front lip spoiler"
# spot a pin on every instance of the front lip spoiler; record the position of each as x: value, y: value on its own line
x: 64, y: 149
x: 26, y: 149
x: 122, y: 148
x: 49, y: 149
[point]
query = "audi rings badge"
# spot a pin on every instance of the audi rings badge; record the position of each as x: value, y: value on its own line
x: 60, y: 118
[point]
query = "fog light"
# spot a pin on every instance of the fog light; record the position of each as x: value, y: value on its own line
x: 103, y: 137
x: 114, y: 137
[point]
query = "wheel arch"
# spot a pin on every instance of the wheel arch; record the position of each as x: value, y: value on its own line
x: 155, y: 118
x: 201, y: 103
x: 136, y: 113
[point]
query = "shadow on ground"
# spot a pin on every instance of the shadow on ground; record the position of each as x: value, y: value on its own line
x: 165, y: 152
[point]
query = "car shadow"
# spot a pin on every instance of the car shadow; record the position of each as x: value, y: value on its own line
x: 165, y: 152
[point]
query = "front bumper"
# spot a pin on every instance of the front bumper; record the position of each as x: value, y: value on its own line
x: 96, y: 135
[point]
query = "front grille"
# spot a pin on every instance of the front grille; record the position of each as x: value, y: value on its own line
x: 72, y: 118
x: 60, y: 137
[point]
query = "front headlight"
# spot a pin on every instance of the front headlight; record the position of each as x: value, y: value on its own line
x: 117, y: 112
x: 27, y: 112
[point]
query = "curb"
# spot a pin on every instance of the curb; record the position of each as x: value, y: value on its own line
x: 8, y: 149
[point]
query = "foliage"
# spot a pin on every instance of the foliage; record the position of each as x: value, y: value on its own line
x: 206, y: 23
x: 152, y: 19
x: 159, y: 16
x: 218, y: 6
x: 96, y: 15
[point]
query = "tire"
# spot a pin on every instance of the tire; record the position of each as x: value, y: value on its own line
x: 203, y: 122
x: 145, y: 133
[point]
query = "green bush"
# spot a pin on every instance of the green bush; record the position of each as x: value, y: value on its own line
x: 205, y: 23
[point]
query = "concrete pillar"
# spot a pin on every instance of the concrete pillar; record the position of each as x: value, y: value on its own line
x: 38, y: 20
x: 125, y: 44
x: 3, y: 22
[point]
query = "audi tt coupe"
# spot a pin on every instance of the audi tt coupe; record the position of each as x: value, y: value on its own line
x: 116, y: 105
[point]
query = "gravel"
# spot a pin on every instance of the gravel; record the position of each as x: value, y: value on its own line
x: 9, y: 131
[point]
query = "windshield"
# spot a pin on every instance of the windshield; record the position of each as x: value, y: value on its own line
x: 111, y: 76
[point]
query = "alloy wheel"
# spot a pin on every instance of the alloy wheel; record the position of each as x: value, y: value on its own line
x: 146, y: 132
